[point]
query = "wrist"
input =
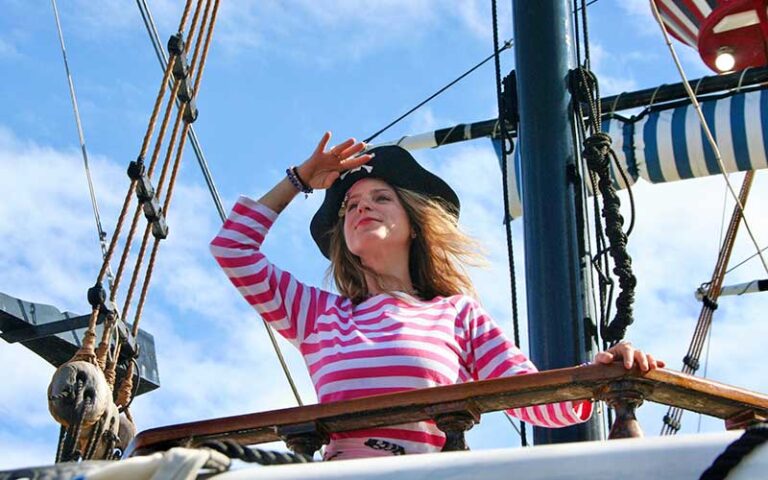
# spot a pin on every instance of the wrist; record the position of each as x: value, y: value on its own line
x: 297, y: 182
x: 305, y: 174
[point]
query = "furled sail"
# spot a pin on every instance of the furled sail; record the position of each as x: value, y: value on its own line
x: 667, y: 143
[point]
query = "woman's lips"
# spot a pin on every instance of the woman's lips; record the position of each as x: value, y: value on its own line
x: 364, y: 221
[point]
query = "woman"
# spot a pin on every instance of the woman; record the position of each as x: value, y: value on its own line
x: 406, y: 317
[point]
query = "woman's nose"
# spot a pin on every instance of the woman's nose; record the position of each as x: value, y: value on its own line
x: 363, y: 205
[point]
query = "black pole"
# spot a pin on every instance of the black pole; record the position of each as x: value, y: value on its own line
x: 556, y: 325
x: 676, y: 91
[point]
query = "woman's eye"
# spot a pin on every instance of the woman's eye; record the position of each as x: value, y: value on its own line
x: 382, y: 198
x: 351, y: 206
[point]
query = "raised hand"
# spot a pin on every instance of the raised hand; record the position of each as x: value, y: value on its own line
x: 323, y: 167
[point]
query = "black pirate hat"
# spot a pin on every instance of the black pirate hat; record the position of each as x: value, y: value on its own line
x: 391, y: 164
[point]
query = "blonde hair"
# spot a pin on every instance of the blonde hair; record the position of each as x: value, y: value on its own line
x: 439, y: 253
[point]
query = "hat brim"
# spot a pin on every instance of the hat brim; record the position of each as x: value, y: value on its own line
x: 392, y: 164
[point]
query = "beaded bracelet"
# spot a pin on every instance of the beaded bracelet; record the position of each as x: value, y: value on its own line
x: 293, y: 177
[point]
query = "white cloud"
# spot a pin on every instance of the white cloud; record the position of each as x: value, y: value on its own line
x: 611, y: 70
x: 8, y: 50
x: 321, y: 33
x: 89, y: 19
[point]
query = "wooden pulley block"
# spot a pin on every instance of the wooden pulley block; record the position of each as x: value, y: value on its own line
x: 78, y: 392
x: 127, y: 430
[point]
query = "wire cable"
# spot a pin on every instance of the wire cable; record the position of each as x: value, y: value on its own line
x: 94, y: 204
x: 507, y: 45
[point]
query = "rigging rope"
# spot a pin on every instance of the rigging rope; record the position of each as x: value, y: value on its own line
x: 507, y: 45
x: 107, y: 356
x: 709, y: 304
x: 599, y: 154
x: 705, y: 127
x: 110, y: 370
x: 94, y: 205
x: 505, y: 137
x: 149, y: 23
x: 586, y: 86
x: 745, y: 260
x: 87, y: 351
x: 706, y: 368
x: 126, y: 388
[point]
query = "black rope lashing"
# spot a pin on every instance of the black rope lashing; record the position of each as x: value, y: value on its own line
x: 672, y: 422
x: 708, y: 302
x: 234, y: 450
x: 736, y: 452
x: 596, y: 152
x: 691, y: 362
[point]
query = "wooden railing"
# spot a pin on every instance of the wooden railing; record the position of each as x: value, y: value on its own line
x: 456, y: 408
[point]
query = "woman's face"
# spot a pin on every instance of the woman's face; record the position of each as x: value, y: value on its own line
x: 374, y: 219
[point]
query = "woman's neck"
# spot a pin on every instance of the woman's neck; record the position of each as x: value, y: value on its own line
x: 388, y: 274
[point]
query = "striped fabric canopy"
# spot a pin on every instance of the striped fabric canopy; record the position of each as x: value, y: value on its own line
x: 669, y: 144
x: 683, y: 18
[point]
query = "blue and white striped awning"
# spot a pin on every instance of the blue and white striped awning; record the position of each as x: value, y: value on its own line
x: 668, y: 144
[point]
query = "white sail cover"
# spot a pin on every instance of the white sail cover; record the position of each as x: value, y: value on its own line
x: 664, y: 145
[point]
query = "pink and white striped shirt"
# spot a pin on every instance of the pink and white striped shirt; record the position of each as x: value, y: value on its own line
x: 387, y: 343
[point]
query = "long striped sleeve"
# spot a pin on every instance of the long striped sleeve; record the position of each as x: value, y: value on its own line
x: 387, y: 343
x: 489, y: 354
x: 288, y: 305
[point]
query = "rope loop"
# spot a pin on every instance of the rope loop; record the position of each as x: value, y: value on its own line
x: 741, y: 79
x: 736, y: 452
x: 583, y: 84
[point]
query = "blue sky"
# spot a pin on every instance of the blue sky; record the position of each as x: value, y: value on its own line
x: 280, y: 74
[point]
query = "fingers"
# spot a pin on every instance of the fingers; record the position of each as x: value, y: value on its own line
x: 624, y: 351
x: 352, y: 150
x: 322, y: 143
x: 604, y: 357
x: 653, y: 363
x: 629, y: 356
x: 340, y: 150
x: 355, y: 162
x: 642, y: 360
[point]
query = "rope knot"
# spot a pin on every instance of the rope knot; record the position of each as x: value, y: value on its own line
x: 583, y: 84
x: 596, y: 149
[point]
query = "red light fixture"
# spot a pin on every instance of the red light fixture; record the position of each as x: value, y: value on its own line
x: 729, y: 34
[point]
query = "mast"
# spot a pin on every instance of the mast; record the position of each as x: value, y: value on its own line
x: 555, y: 292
